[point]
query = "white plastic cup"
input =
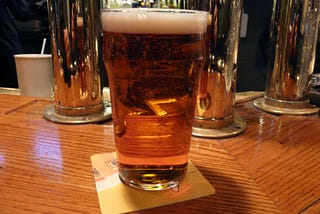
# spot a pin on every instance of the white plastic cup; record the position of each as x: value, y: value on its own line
x: 34, y: 72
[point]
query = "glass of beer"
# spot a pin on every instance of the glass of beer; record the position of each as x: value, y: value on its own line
x: 153, y: 59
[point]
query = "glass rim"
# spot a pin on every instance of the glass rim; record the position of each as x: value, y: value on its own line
x: 32, y: 55
x: 145, y: 10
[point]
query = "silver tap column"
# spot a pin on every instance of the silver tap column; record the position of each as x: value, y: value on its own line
x: 214, y: 116
x: 75, y: 31
x: 293, y: 41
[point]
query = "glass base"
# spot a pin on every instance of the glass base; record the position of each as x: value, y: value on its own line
x: 236, y: 128
x: 51, y: 115
x: 285, y: 107
x: 152, y: 178
x: 150, y: 187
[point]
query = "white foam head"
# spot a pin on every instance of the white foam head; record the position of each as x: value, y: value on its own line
x: 154, y: 21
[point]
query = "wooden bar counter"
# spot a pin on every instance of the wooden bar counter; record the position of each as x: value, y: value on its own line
x: 273, y: 167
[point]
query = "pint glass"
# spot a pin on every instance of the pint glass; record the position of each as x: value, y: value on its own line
x: 293, y: 40
x: 75, y: 31
x: 214, y: 116
x: 153, y: 59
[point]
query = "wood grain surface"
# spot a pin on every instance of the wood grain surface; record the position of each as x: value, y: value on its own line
x: 273, y: 167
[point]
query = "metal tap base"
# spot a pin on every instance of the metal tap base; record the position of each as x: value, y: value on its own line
x: 285, y: 107
x: 51, y: 115
x: 236, y: 128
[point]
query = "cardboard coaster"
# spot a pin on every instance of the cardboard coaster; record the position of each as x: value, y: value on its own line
x: 116, y: 197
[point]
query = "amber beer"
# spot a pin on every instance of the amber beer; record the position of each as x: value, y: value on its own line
x: 153, y: 59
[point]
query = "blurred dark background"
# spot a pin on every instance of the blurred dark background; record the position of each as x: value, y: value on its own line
x: 34, y: 30
x: 252, y: 59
